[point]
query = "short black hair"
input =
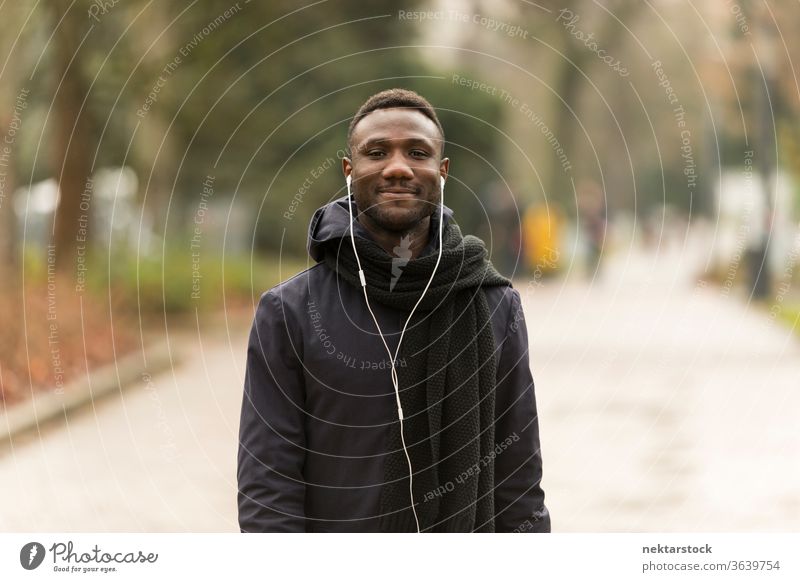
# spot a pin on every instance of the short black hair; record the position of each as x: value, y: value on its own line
x: 391, y: 98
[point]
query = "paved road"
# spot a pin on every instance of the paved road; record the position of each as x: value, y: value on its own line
x: 160, y: 457
x: 665, y: 406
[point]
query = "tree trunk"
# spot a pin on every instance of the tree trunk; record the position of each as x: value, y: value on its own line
x: 72, y: 139
x: 569, y: 83
x: 8, y: 224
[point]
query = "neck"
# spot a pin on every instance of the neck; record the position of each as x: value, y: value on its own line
x: 399, y: 243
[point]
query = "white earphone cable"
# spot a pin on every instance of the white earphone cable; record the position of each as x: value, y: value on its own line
x: 393, y: 358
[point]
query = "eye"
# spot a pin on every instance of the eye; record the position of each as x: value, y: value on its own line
x: 419, y: 153
x: 374, y: 153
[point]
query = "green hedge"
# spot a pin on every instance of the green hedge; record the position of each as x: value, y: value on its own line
x: 176, y: 281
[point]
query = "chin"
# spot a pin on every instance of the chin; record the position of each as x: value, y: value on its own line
x: 398, y: 226
x: 398, y: 220
x: 397, y: 215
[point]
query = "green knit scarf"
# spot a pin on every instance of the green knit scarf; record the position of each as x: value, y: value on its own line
x: 447, y: 386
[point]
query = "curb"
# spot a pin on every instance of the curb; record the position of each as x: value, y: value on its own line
x: 108, y: 379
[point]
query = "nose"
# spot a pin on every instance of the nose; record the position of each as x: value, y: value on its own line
x: 397, y: 168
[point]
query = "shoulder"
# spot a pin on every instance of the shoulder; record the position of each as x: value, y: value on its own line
x: 296, y: 287
x: 505, y: 309
x: 292, y: 294
x: 503, y: 300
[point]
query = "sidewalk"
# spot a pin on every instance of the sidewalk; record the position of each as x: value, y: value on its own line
x: 664, y: 406
x: 160, y: 457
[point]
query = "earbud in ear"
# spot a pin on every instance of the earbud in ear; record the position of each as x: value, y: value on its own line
x: 442, y: 180
x: 348, y: 179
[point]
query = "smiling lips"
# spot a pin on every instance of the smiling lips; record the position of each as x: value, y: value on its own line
x: 398, y: 192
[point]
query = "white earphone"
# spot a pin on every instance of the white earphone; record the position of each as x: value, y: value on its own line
x: 393, y: 358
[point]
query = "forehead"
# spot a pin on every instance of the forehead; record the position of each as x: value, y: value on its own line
x: 396, y: 123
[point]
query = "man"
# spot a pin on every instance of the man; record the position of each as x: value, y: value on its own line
x: 322, y: 447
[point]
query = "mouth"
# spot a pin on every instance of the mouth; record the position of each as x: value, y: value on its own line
x: 398, y: 192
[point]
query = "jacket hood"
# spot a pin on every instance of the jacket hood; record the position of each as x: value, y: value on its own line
x: 332, y: 222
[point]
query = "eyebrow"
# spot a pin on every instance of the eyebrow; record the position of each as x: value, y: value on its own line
x: 408, y: 141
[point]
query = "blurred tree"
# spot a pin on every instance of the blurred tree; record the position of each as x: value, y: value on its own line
x: 605, y: 24
x: 72, y: 138
x: 153, y: 44
x: 570, y: 81
x: 262, y: 102
x: 15, y: 65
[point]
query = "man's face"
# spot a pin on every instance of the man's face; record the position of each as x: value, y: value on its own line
x: 395, y: 168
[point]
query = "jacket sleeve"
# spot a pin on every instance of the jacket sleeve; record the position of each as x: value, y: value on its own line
x: 518, y: 496
x: 272, y: 440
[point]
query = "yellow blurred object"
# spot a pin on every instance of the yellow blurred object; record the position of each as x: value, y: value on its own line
x: 541, y: 234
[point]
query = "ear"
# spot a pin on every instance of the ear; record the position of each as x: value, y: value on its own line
x: 347, y: 167
x: 444, y: 168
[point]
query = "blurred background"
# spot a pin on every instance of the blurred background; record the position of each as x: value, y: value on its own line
x: 633, y: 167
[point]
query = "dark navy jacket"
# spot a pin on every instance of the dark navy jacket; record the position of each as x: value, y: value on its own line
x: 318, y: 403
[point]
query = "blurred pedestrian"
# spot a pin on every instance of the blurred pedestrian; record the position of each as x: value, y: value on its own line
x: 592, y: 220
